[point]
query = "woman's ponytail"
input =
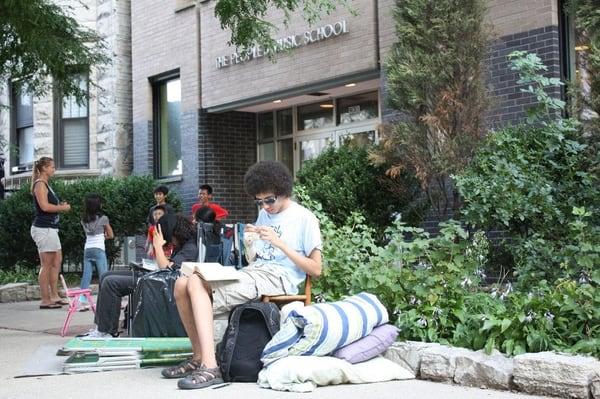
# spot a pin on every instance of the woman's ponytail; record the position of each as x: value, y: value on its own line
x: 37, y: 169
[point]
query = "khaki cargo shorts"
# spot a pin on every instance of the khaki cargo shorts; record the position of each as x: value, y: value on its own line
x: 253, y: 283
x: 46, y: 239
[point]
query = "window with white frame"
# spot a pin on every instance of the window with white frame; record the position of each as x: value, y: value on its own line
x: 22, y: 137
x: 72, y: 148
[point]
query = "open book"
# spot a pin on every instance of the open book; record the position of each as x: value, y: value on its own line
x: 146, y: 264
x: 209, y: 271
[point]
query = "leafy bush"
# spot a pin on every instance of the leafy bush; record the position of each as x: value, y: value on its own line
x: 541, y: 181
x: 562, y: 317
x: 344, y: 248
x: 126, y: 203
x: 430, y: 287
x: 9, y: 276
x: 344, y: 181
x: 411, y: 267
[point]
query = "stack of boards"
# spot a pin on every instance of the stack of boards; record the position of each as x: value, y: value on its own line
x: 91, y: 354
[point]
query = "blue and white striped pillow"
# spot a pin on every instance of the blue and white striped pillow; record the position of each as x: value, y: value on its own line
x: 320, y: 329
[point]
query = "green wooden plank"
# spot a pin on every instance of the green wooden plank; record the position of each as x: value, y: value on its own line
x: 147, y: 345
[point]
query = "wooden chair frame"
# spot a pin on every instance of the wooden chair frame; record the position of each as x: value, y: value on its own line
x: 281, y: 300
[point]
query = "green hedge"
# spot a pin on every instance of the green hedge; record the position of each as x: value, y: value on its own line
x: 343, y: 180
x: 541, y: 183
x: 126, y: 203
x: 431, y: 289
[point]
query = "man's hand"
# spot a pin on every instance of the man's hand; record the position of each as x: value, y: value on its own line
x: 267, y: 233
x: 250, y: 228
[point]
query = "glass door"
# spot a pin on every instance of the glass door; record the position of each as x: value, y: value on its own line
x: 309, y: 147
x: 357, y: 136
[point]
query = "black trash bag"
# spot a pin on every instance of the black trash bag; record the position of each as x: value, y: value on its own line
x: 156, y: 312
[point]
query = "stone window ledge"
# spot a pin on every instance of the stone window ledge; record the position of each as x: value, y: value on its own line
x: 59, y: 173
x: 14, y: 182
x: 170, y: 179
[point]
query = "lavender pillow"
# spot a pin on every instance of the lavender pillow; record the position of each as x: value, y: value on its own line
x: 368, y: 347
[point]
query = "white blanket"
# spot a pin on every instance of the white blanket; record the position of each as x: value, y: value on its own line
x: 305, y: 373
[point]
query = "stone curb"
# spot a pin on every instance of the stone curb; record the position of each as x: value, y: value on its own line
x: 19, y: 292
x: 544, y: 373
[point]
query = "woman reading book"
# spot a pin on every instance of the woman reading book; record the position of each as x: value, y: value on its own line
x: 288, y: 247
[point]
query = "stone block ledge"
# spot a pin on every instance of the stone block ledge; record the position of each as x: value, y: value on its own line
x: 544, y: 373
x: 19, y: 292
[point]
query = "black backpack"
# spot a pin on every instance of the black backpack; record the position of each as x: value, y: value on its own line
x: 251, y: 326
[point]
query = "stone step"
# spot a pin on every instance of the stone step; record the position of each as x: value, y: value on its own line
x: 19, y: 292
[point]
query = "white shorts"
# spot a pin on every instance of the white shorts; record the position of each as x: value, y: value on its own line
x: 46, y: 239
x: 253, y: 283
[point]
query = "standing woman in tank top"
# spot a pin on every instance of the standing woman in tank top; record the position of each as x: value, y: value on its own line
x: 44, y: 231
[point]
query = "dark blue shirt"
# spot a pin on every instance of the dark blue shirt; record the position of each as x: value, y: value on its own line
x: 45, y: 219
x: 187, y: 253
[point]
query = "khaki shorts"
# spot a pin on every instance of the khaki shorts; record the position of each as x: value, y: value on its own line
x: 46, y: 239
x: 254, y: 282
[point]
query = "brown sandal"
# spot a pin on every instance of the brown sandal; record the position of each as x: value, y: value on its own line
x: 181, y: 370
x: 201, y: 378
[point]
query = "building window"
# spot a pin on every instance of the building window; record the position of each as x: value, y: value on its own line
x: 23, y: 128
x: 358, y: 108
x: 315, y: 116
x: 295, y: 135
x: 574, y: 57
x: 167, y: 127
x: 275, y: 141
x: 567, y: 48
x: 72, y: 148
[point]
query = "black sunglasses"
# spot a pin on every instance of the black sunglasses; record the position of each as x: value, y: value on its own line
x: 266, y: 201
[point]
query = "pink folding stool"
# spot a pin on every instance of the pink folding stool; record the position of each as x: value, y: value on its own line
x: 73, y: 298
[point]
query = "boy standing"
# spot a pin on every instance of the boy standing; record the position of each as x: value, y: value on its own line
x: 160, y: 196
x: 204, y: 199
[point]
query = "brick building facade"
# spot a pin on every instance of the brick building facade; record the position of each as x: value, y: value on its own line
x: 198, y: 112
x: 246, y: 107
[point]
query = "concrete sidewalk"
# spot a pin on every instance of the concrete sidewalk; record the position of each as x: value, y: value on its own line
x: 24, y: 328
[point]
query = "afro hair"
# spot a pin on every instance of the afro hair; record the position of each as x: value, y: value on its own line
x: 268, y: 177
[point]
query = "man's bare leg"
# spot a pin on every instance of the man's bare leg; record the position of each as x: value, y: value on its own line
x: 184, y: 307
x: 198, y: 292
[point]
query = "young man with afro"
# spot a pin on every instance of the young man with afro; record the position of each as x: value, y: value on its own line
x: 288, y: 248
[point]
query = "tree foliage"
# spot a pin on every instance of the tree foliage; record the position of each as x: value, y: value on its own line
x: 248, y: 23
x: 41, y: 40
x: 436, y: 76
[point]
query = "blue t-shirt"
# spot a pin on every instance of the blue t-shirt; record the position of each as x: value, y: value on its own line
x: 298, y: 228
